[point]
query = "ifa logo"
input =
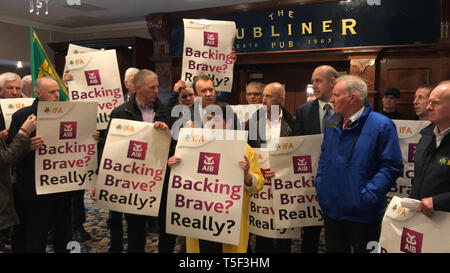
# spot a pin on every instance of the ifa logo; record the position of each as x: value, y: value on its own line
x: 302, y: 164
x: 92, y: 77
x: 137, y: 150
x: 208, y: 163
x: 210, y: 39
x: 411, y: 241
x: 68, y: 130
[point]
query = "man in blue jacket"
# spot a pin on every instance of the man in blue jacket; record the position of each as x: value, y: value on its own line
x: 360, y: 162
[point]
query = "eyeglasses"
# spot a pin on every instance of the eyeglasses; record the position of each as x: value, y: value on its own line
x: 187, y: 96
x: 253, y: 94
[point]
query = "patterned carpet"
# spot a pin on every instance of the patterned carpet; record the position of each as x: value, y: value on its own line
x: 99, y: 243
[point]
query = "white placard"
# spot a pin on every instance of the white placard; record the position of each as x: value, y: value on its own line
x: 206, y: 187
x: 67, y: 160
x: 207, y: 50
x: 10, y: 106
x: 133, y: 166
x: 410, y: 231
x: 295, y: 164
x: 262, y: 213
x: 408, y: 136
x: 96, y: 78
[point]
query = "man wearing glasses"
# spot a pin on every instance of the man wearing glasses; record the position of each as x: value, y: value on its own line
x: 253, y: 92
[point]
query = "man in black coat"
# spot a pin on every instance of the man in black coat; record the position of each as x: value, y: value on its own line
x: 265, y: 126
x: 431, y: 183
x: 144, y: 106
x: 310, y: 120
x: 38, y: 212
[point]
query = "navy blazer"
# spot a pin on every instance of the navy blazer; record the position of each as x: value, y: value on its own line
x: 307, y: 120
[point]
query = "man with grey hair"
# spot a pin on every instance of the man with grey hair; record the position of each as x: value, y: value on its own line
x: 144, y: 106
x: 128, y: 82
x: 253, y: 92
x: 27, y: 89
x: 10, y: 85
x: 359, y: 163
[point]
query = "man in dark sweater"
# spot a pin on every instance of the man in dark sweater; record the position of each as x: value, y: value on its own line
x: 431, y: 183
x: 390, y: 100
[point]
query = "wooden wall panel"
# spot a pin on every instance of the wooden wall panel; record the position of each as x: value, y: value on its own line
x: 406, y: 75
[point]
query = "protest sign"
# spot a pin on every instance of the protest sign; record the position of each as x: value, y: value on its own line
x: 408, y: 136
x: 76, y: 49
x: 206, y: 187
x: 96, y: 78
x: 409, y: 231
x: 132, y: 169
x: 207, y: 51
x: 262, y: 213
x: 67, y: 160
x: 295, y: 163
x: 10, y: 106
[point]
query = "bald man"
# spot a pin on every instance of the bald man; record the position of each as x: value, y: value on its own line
x: 265, y: 127
x: 431, y: 183
x: 310, y: 120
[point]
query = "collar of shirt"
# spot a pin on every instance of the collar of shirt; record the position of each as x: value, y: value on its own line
x: 148, y: 113
x: 440, y: 136
x: 356, y: 115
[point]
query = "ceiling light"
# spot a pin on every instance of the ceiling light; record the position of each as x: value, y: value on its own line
x: 19, y: 64
x: 37, y: 5
x: 73, y: 2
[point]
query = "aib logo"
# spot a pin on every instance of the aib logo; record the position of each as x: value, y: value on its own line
x: 411, y: 151
x: 92, y: 77
x: 137, y: 150
x: 208, y: 163
x: 411, y: 241
x: 302, y: 164
x: 68, y: 130
x: 210, y: 39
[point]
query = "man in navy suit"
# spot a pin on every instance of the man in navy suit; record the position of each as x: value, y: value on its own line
x: 310, y: 120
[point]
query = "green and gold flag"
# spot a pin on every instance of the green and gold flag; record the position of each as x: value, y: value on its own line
x: 41, y: 66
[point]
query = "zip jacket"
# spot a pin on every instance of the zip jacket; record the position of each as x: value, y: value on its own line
x: 357, y: 167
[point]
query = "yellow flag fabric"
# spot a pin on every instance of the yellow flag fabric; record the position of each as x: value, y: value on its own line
x: 42, y: 67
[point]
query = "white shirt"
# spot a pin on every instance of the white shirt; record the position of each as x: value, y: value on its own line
x: 440, y: 136
x: 356, y: 115
x: 273, y: 130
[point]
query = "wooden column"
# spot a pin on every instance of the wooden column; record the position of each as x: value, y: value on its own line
x: 364, y: 65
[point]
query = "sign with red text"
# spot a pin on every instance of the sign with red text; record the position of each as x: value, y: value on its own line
x: 10, y: 106
x: 262, y: 213
x: 132, y: 169
x: 408, y: 132
x: 206, y: 187
x: 207, y: 51
x: 407, y: 230
x: 67, y: 160
x: 96, y: 78
x: 295, y: 163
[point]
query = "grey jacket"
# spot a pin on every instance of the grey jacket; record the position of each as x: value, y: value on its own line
x: 10, y: 155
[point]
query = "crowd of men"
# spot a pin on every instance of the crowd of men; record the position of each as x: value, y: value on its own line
x: 359, y: 163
